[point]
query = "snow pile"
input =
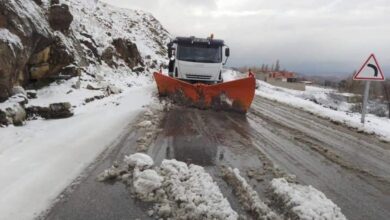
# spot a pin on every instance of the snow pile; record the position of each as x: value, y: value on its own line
x: 193, y: 193
x: 139, y: 160
x: 145, y: 124
x: 247, y: 195
x: 230, y: 75
x: 146, y: 182
x: 374, y: 125
x: 305, y: 202
x: 109, y: 174
x: 180, y: 191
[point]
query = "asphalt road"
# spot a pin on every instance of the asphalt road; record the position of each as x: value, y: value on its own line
x: 351, y: 168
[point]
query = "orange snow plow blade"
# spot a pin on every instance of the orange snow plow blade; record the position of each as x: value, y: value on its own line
x: 234, y: 95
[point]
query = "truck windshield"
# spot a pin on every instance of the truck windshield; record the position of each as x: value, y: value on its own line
x: 200, y: 53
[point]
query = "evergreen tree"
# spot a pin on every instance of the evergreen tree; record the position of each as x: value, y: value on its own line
x: 277, y: 66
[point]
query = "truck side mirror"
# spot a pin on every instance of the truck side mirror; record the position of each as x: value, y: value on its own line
x: 169, y: 52
x: 227, y: 52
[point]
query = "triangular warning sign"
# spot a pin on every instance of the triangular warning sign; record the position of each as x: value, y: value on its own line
x: 370, y: 70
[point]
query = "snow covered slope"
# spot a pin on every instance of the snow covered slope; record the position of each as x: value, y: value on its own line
x: 374, y: 125
x: 104, y: 23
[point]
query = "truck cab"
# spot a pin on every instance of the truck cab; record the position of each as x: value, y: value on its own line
x: 197, y: 59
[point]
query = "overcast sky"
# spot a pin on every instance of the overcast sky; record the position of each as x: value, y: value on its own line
x: 307, y: 36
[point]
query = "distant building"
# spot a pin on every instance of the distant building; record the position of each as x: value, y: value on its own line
x: 284, y: 79
x: 284, y: 76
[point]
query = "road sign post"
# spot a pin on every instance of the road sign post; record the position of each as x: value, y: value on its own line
x: 370, y: 71
x: 365, y: 101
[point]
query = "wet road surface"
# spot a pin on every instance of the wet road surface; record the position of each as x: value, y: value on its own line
x: 351, y: 168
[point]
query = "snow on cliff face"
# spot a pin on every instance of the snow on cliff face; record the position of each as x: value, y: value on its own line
x: 94, y: 29
x: 105, y: 22
x: 12, y: 40
x: 98, y: 34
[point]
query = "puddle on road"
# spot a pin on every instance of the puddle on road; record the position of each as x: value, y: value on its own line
x: 201, y: 151
x: 194, y: 149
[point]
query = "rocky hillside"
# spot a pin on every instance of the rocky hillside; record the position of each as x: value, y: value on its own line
x: 46, y: 41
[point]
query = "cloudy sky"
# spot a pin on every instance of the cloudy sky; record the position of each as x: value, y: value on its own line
x: 307, y: 36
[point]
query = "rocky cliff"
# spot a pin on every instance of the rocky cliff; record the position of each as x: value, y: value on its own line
x: 43, y: 40
x: 47, y: 41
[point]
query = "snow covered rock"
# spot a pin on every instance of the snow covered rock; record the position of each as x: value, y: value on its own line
x: 128, y: 51
x: 60, y: 17
x: 54, y: 111
x: 305, y: 202
x: 19, y: 20
x: 113, y: 90
x: 18, y: 90
x: 31, y: 94
x: 139, y: 160
x: 14, y: 114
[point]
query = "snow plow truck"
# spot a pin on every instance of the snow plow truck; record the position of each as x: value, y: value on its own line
x: 195, y: 76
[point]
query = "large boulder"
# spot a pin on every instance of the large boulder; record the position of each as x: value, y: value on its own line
x: 50, y: 61
x: 23, y: 31
x: 54, y: 111
x: 128, y: 51
x: 14, y: 114
x: 108, y: 57
x: 60, y: 17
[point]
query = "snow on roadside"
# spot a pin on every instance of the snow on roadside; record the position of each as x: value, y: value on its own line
x: 304, y: 202
x: 373, y: 125
x: 34, y: 169
x: 230, y: 75
x: 247, y: 195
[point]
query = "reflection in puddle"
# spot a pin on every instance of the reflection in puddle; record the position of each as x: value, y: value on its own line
x: 194, y: 149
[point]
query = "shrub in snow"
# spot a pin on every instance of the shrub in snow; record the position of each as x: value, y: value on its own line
x: 304, y: 202
x: 139, y: 160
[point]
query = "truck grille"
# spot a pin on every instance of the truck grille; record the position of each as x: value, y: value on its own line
x: 200, y: 77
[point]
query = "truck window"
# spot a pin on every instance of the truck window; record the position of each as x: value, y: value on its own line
x: 200, y: 53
